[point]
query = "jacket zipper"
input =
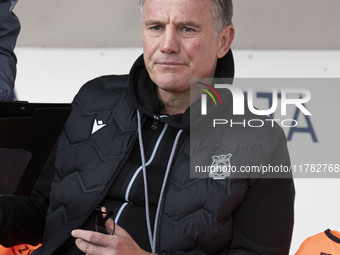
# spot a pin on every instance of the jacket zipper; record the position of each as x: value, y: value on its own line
x: 157, y: 224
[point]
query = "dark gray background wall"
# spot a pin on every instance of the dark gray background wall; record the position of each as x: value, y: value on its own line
x: 260, y: 24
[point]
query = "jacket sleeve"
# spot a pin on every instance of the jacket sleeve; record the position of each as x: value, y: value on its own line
x: 9, y: 31
x: 263, y: 223
x: 22, y: 218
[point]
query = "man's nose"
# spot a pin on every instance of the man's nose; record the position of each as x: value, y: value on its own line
x: 170, y: 41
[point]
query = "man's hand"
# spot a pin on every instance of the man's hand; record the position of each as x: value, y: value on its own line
x: 94, y: 243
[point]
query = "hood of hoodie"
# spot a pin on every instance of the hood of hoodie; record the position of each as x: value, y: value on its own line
x: 142, y: 91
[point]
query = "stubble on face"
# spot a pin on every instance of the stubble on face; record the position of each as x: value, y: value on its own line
x: 179, y: 44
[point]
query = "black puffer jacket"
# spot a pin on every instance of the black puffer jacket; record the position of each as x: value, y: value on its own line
x: 196, y: 216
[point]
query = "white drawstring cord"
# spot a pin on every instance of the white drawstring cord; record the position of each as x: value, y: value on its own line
x: 152, y: 238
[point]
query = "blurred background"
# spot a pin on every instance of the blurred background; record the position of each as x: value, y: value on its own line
x: 260, y: 24
x: 63, y: 44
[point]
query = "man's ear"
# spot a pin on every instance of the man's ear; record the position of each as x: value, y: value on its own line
x: 225, y: 39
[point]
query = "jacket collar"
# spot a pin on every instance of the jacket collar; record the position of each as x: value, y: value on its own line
x: 143, y: 95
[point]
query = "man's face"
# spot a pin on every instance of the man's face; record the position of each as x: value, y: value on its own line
x: 179, y: 42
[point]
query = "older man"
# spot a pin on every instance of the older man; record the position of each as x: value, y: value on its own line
x: 125, y: 149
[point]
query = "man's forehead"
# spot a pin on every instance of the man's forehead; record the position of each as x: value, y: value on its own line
x: 180, y: 11
x: 176, y: 2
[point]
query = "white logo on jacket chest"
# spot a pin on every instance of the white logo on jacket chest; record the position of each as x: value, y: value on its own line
x: 97, y: 124
x: 220, y: 167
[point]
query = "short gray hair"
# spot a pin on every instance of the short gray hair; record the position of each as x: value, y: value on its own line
x: 222, y: 13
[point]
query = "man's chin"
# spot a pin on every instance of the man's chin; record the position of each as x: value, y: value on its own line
x: 174, y: 87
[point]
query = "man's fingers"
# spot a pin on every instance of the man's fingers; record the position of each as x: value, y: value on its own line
x: 93, y: 237
x: 121, y: 232
x: 88, y: 248
x: 94, y: 243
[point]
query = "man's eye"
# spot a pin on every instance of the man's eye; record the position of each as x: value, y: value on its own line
x: 187, y: 29
x: 155, y: 28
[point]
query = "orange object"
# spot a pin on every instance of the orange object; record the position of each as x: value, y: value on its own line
x: 324, y: 243
x: 21, y: 249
